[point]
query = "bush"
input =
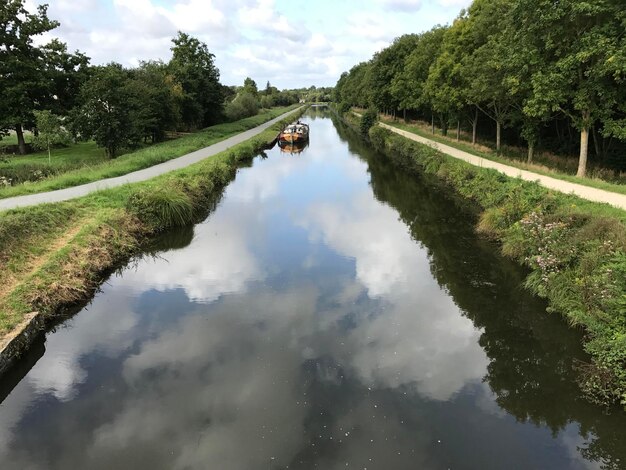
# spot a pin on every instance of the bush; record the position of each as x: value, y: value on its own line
x: 369, y: 119
x: 161, y: 208
x: 243, y: 106
x: 344, y: 107
x: 378, y: 137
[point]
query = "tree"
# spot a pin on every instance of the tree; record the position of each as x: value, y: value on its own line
x: 22, y: 71
x: 249, y: 86
x: 110, y: 112
x: 446, y: 86
x: 386, y: 65
x: 65, y: 73
x: 579, y: 40
x: 193, y: 67
x: 487, y: 68
x: 159, y: 96
x: 409, y: 84
x: 50, y: 132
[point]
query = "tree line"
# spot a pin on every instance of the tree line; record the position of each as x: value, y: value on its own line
x: 542, y: 72
x: 47, y: 87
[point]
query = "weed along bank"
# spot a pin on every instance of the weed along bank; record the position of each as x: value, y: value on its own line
x: 297, y: 312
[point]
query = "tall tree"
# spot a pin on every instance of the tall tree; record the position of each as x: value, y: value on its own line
x: 387, y: 64
x: 110, y: 113
x: 487, y: 68
x: 194, y: 68
x: 579, y: 40
x: 446, y: 87
x: 22, y: 73
x: 65, y: 73
x: 159, y: 96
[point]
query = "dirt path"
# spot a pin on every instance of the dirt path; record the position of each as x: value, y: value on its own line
x: 585, y: 192
x: 137, y: 176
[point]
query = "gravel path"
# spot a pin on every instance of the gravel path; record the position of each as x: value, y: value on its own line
x: 585, y: 192
x: 137, y: 176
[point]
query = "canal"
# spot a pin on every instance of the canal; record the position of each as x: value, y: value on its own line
x: 332, y: 312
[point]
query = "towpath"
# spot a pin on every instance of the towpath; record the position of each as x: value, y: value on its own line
x: 585, y: 192
x: 140, y: 175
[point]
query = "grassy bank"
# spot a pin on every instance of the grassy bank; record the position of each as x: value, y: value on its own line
x: 85, y: 163
x: 575, y: 251
x: 55, y: 256
x: 549, y: 167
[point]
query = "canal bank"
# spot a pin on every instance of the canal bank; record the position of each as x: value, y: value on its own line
x: 333, y: 309
x: 56, y: 255
x: 575, y: 249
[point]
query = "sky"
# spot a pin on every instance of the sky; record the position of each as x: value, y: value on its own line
x: 290, y: 43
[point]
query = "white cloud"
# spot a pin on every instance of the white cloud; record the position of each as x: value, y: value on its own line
x: 403, y: 5
x: 268, y: 40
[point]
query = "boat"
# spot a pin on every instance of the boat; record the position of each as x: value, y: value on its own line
x: 294, y: 133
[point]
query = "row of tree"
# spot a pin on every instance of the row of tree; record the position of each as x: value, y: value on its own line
x: 537, y: 67
x: 118, y: 107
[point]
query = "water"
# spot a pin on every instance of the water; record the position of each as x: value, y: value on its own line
x: 332, y: 312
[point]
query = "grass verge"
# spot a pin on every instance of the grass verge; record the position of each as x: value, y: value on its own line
x: 55, y: 256
x: 488, y: 154
x: 575, y: 250
x: 64, y: 175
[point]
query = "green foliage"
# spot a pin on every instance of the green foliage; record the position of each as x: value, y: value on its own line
x: 369, y: 119
x: 193, y: 67
x: 51, y: 132
x: 537, y: 67
x: 249, y: 86
x: 112, y: 112
x: 23, y: 79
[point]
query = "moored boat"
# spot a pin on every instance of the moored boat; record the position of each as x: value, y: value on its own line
x: 294, y: 133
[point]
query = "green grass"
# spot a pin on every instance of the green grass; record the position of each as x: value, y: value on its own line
x: 511, y: 161
x: 137, y: 160
x: 11, y: 139
x: 77, y: 155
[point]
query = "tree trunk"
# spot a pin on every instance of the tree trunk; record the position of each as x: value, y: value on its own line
x: 404, y: 114
x: 458, y: 131
x: 432, y: 123
x: 474, y: 127
x: 21, y: 144
x: 444, y: 128
x: 531, y: 151
x: 498, y: 136
x: 584, y: 150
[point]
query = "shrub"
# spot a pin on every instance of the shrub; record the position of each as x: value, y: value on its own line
x: 378, y: 137
x: 161, y: 208
x: 243, y: 106
x: 369, y: 119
